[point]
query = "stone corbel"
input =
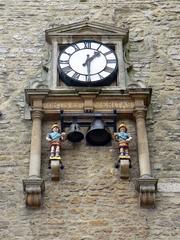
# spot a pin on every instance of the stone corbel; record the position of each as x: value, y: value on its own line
x: 147, y: 187
x: 124, y: 168
x: 146, y: 184
x: 33, y: 189
x: 55, y: 169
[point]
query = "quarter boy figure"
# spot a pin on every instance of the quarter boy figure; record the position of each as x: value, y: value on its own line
x: 123, y: 138
x: 54, y: 138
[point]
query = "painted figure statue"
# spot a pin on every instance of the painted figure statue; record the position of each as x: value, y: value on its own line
x: 54, y: 138
x: 123, y: 138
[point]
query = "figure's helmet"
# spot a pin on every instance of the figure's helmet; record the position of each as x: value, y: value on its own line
x: 55, y: 125
x: 122, y: 125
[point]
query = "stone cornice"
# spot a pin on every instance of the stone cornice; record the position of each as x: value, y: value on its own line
x: 136, y: 93
x: 86, y: 28
x: 88, y: 99
x: 91, y: 99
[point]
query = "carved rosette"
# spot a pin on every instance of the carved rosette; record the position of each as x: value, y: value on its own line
x: 33, y: 189
x: 147, y: 187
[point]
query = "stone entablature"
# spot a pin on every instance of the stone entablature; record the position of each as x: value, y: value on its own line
x: 82, y: 100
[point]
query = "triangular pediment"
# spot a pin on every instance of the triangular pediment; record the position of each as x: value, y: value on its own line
x: 85, y: 28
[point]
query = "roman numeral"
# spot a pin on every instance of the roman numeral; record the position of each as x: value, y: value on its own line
x: 76, y: 75
x: 87, y: 44
x: 111, y: 61
x: 64, y: 61
x: 107, y: 53
x: 75, y: 46
x: 67, y: 69
x: 88, y: 78
x: 108, y: 69
x: 98, y: 47
x: 101, y: 77
x: 67, y: 53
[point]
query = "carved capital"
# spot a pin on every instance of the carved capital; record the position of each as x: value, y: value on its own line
x: 140, y: 113
x: 37, y: 113
x: 33, y: 189
x: 147, y: 187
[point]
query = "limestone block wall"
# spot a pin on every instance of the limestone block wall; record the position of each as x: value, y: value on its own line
x: 90, y: 202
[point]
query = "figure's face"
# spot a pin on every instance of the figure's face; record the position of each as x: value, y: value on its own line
x: 55, y: 129
x: 122, y: 129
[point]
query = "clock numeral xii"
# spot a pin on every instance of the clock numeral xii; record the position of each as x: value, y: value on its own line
x: 87, y: 44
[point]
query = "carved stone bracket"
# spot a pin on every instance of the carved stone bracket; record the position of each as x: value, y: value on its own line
x: 147, y: 187
x: 33, y: 189
x: 124, y: 168
x: 55, y: 169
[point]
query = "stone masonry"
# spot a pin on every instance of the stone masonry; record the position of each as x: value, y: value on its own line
x: 90, y: 202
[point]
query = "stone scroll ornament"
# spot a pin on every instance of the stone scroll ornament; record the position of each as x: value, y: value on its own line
x: 55, y: 138
x: 124, y: 161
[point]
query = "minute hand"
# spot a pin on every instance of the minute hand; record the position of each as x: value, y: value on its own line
x: 89, y: 59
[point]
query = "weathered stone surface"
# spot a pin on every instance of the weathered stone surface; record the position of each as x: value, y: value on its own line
x: 90, y: 202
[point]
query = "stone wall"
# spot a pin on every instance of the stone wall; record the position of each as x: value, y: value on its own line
x: 90, y: 201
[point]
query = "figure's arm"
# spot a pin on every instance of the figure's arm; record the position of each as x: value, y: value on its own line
x: 129, y: 138
x: 63, y: 136
x: 48, y: 138
x: 116, y: 138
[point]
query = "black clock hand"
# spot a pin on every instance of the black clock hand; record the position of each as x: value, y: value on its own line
x: 88, y: 70
x: 89, y: 59
x: 88, y: 63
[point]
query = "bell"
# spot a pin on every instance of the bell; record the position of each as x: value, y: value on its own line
x: 75, y: 135
x: 98, y: 135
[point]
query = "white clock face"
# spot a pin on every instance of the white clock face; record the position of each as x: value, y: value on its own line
x: 87, y: 61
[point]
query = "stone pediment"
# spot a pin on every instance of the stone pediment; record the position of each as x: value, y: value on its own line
x: 86, y: 28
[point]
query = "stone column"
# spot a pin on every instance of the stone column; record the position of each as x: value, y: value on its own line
x: 35, y: 152
x: 146, y: 184
x: 34, y: 185
x: 143, y: 149
x: 121, y: 78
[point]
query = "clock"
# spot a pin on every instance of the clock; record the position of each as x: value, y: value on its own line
x: 87, y: 63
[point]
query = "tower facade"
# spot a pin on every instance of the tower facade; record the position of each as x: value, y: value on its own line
x: 139, y: 85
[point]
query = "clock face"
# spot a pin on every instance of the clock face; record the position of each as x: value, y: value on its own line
x: 87, y: 63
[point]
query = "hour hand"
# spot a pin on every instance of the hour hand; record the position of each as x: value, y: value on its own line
x: 88, y: 60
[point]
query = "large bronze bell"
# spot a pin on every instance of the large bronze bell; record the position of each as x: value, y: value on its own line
x: 75, y: 135
x: 98, y: 135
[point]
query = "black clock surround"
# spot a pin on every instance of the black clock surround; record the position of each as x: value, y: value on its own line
x: 77, y: 60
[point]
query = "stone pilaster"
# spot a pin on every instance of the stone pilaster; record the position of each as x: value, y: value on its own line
x: 54, y: 63
x: 34, y: 185
x: 146, y: 184
x: 121, y: 79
